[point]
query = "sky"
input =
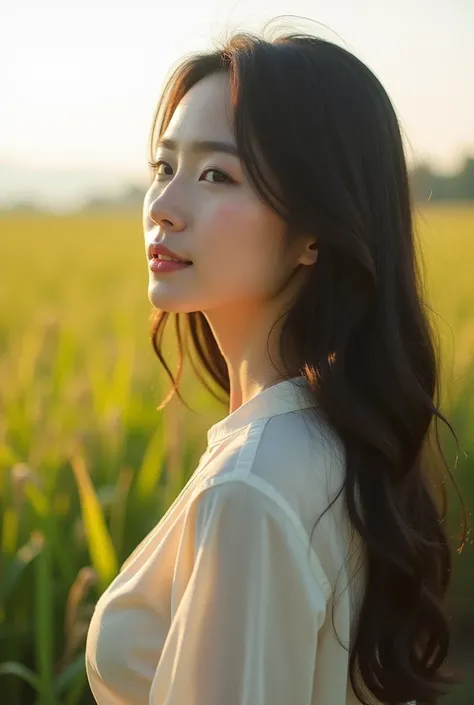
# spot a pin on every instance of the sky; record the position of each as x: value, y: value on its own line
x: 80, y: 80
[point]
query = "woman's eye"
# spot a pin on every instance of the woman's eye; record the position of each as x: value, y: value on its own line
x: 221, y: 173
x: 156, y: 166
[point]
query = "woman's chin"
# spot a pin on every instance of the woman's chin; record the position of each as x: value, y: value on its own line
x: 170, y: 304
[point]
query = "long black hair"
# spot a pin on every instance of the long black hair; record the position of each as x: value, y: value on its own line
x: 314, y: 117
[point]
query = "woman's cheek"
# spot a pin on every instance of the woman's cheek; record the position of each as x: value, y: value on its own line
x: 223, y: 231
x: 224, y: 216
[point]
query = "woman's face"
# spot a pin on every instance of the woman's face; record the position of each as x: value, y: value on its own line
x: 203, y: 208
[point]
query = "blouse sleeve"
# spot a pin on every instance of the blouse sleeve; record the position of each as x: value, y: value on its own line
x: 244, y: 628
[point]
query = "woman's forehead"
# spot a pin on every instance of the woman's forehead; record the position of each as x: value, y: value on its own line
x: 204, y: 113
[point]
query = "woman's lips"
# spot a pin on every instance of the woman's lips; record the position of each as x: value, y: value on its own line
x: 164, y: 265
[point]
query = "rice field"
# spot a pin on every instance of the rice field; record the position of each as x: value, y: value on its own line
x: 87, y: 463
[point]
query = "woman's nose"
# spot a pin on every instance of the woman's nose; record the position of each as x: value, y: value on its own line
x: 164, y: 217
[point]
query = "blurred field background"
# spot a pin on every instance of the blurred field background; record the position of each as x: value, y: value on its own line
x: 87, y: 464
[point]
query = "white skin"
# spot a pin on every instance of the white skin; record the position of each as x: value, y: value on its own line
x: 231, y: 236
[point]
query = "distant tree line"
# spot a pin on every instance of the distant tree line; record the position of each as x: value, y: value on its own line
x: 428, y: 185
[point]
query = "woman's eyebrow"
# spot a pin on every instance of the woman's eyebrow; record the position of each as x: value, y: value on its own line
x: 200, y: 146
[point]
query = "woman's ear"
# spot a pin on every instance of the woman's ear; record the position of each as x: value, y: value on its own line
x: 310, y: 253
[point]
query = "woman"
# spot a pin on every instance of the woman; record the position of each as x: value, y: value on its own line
x: 304, y: 563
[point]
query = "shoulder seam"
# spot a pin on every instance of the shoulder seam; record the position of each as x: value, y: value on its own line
x: 264, y: 488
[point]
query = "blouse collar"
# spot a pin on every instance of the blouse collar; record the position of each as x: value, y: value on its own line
x: 289, y: 395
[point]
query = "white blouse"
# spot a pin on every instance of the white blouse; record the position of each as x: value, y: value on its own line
x: 227, y: 601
